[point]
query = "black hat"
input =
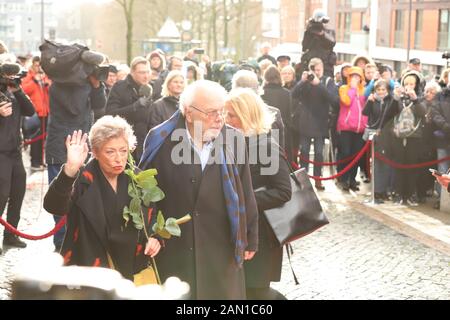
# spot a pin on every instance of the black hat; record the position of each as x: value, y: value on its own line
x: 414, y: 61
x: 283, y: 57
x: 113, y: 68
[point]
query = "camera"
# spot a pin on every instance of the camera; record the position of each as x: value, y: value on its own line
x: 11, y: 75
x: 405, y: 98
x: 446, y: 55
x: 4, y: 98
x: 101, y: 72
x: 311, y: 76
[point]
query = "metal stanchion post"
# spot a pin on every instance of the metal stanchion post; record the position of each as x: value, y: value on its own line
x: 372, y: 167
x: 372, y: 151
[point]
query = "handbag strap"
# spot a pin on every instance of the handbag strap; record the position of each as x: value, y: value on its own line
x: 289, y: 252
x: 291, y: 170
x: 110, y: 261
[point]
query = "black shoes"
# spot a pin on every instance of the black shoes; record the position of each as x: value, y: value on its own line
x: 13, y: 241
x: 354, y: 186
x: 379, y: 198
x: 319, y: 185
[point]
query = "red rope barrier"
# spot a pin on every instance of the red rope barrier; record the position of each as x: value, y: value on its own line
x: 349, y: 166
x: 30, y: 141
x: 13, y: 230
x: 409, y: 166
x: 328, y: 163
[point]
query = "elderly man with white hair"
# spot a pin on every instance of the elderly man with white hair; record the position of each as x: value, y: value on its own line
x: 199, y: 173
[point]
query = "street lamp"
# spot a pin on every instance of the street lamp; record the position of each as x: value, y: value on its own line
x: 42, y: 21
x: 409, y: 31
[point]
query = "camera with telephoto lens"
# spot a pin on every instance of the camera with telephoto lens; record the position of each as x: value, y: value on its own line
x: 101, y: 72
x: 11, y: 75
x: 311, y: 76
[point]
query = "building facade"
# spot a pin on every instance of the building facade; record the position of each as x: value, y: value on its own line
x: 20, y: 24
x: 379, y: 29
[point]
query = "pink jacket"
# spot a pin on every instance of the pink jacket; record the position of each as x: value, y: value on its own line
x: 351, y: 108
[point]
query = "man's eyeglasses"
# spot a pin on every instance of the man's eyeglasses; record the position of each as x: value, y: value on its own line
x: 212, y: 115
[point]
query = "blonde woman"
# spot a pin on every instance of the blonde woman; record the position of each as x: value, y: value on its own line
x: 247, y: 112
x: 165, y: 107
x: 288, y: 77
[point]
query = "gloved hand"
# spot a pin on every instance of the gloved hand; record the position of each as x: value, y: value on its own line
x: 145, y: 102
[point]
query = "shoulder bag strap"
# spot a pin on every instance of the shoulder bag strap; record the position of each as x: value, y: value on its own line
x: 289, y: 252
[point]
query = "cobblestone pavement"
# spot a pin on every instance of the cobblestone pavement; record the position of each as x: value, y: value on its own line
x: 34, y: 220
x: 354, y: 257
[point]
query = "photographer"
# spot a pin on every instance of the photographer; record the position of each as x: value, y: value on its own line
x: 13, y: 104
x: 131, y: 99
x: 408, y: 133
x: 316, y: 94
x: 318, y: 42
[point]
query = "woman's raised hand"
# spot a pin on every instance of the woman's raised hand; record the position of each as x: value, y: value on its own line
x: 77, y: 151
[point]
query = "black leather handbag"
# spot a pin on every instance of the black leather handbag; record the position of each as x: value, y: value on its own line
x: 299, y: 216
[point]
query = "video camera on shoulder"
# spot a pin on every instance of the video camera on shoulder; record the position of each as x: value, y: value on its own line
x: 11, y: 75
x: 101, y: 72
x: 72, y: 63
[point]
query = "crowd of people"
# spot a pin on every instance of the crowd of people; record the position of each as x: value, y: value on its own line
x: 165, y: 108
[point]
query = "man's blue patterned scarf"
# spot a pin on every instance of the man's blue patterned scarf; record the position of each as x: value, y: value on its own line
x: 231, y: 183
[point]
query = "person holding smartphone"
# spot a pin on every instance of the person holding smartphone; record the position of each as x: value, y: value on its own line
x: 441, y: 178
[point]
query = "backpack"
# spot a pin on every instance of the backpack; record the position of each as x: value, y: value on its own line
x: 404, y: 123
x: 62, y: 63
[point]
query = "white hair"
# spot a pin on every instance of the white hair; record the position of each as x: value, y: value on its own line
x: 433, y: 85
x: 123, y: 67
x: 109, y: 127
x: 245, y: 79
x: 214, y: 90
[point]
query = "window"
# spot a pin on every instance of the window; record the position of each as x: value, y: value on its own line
x: 444, y: 30
x: 347, y: 26
x: 398, y: 32
x: 418, y: 31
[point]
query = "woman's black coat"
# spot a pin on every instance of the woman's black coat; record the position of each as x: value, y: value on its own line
x: 162, y: 110
x: 271, y: 191
x: 86, y: 240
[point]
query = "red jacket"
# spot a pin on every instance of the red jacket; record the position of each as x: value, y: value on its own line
x: 37, y: 93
